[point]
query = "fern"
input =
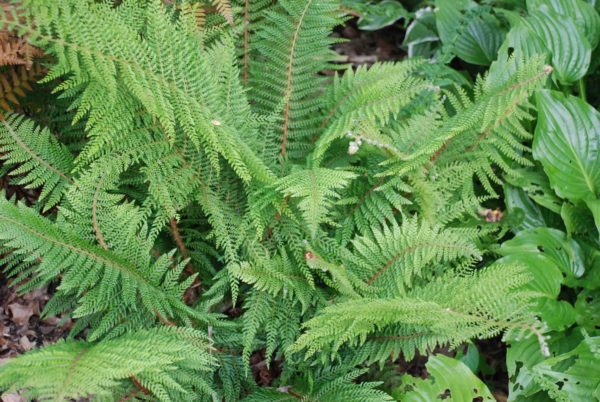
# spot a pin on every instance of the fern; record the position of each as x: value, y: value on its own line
x: 292, y: 48
x: 442, y: 312
x: 315, y: 188
x: 105, y: 285
x: 134, y: 364
x: 37, y: 156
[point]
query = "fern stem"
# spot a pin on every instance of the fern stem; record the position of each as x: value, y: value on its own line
x: 180, y: 244
x: 287, y: 94
x: 246, y: 39
x: 95, y: 224
x: 139, y: 385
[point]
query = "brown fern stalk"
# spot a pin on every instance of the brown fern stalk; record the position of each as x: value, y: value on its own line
x: 287, y: 94
x: 246, y: 40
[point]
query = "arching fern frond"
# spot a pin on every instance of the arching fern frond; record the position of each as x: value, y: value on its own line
x: 392, y: 258
x: 37, y: 156
x: 366, y: 96
x: 316, y: 189
x: 292, y: 46
x: 102, y: 282
x: 336, y: 384
x: 484, y: 131
x: 447, y: 311
x: 167, y: 72
x: 149, y: 361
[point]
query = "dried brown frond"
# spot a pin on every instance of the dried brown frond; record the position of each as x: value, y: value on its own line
x: 15, y: 82
x: 194, y: 15
x: 224, y: 8
x: 16, y: 51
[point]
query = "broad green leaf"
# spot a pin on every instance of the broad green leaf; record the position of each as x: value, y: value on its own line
x: 537, y: 187
x: 547, y: 281
x: 567, y: 143
x: 558, y: 314
x: 565, y: 253
x: 375, y: 16
x: 570, y: 50
x: 594, y: 206
x: 526, y: 213
x: 587, y: 308
x: 573, y: 376
x: 470, y: 358
x: 524, y: 354
x: 545, y: 31
x: 421, y: 36
x: 470, y: 31
x: 581, y: 12
x: 449, y: 378
x: 576, y: 218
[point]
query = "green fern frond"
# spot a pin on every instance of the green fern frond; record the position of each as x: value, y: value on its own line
x: 100, y: 280
x: 292, y: 47
x: 366, y: 96
x: 390, y: 259
x: 150, y: 360
x: 442, y: 312
x: 166, y: 72
x: 37, y: 156
x: 316, y: 190
x: 327, y: 386
x: 487, y: 130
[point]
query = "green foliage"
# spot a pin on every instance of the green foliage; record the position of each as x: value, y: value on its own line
x: 376, y: 15
x: 449, y: 378
x: 220, y: 197
x: 37, y: 156
x: 168, y: 362
x: 566, y: 144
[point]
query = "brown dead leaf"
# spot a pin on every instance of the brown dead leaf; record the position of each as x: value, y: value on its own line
x: 13, y: 397
x: 26, y: 343
x: 21, y: 313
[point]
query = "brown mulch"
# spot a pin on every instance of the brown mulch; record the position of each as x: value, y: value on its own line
x: 21, y: 326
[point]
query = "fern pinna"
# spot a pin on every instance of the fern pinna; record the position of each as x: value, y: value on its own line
x: 339, y: 213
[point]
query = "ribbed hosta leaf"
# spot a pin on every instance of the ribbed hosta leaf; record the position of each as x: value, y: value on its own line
x: 583, y: 13
x: 447, y: 377
x: 545, y: 31
x: 547, y: 281
x: 526, y: 213
x: 474, y: 36
x: 567, y: 143
x: 579, y: 381
x: 552, y: 243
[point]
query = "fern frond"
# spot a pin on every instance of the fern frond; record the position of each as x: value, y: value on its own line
x: 166, y: 72
x: 392, y: 258
x: 36, y: 154
x: 292, y: 47
x: 316, y: 188
x: 330, y: 385
x: 103, y: 283
x: 224, y: 8
x: 485, y: 131
x: 442, y: 312
x: 109, y: 369
x: 366, y: 96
